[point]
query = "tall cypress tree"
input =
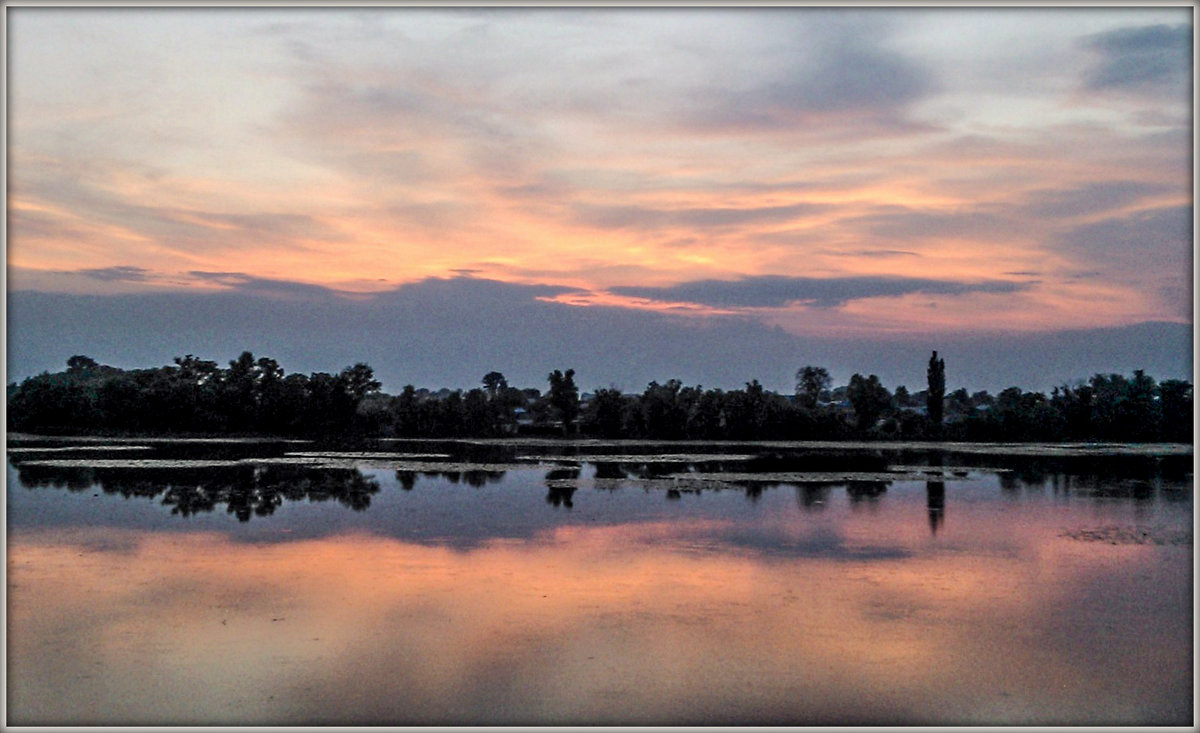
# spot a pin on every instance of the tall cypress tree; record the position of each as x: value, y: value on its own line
x: 937, y: 391
x: 564, y: 397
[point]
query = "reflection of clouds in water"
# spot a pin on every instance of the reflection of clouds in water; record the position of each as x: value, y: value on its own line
x: 632, y: 624
x: 827, y: 548
x: 121, y: 544
x: 467, y: 598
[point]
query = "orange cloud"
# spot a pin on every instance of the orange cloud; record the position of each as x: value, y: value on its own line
x: 777, y: 151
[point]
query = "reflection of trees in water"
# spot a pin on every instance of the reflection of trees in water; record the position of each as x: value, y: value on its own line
x: 1103, y: 478
x: 560, y: 486
x: 560, y: 496
x: 245, y: 491
x: 813, y: 497
x: 1023, y: 478
x: 1036, y: 471
x: 803, y: 461
x: 935, y: 500
x: 43, y: 477
x: 655, y: 470
x: 607, y: 470
x: 474, y: 479
x: 868, y: 491
x: 562, y: 474
x: 754, y: 489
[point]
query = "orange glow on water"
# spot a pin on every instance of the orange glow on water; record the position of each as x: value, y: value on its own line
x: 620, y: 623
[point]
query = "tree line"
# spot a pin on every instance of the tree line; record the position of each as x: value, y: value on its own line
x: 255, y: 396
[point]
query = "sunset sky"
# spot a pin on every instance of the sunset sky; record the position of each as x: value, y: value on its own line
x: 922, y: 176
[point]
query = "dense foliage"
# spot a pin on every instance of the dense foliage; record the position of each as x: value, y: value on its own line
x: 255, y: 396
x: 191, y: 396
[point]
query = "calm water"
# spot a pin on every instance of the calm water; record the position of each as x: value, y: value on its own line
x: 225, y: 583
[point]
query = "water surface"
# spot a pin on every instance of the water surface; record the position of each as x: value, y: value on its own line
x: 263, y: 583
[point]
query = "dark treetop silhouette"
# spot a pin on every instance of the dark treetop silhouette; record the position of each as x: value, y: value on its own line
x: 256, y: 396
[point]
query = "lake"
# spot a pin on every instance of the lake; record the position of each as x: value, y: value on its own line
x: 600, y: 582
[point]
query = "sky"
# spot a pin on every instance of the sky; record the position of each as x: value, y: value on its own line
x: 713, y: 194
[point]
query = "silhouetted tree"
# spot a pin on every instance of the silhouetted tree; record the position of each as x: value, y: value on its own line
x: 706, y: 417
x: 1176, y: 408
x: 256, y: 395
x: 81, y: 365
x: 479, y: 417
x: 293, y: 397
x: 1123, y: 408
x: 452, y: 415
x: 271, y: 414
x: 359, y: 380
x: 959, y: 403
x: 1019, y: 415
x: 1074, y: 405
x: 405, y: 412
x: 869, y: 398
x: 120, y: 401
x: 495, y: 384
x: 564, y: 398
x: 605, y: 414
x: 237, y: 394
x: 325, y: 404
x: 936, y: 375
x: 811, y: 381
x: 663, y: 416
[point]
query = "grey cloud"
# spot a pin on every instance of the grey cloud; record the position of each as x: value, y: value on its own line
x: 450, y: 300
x: 640, y: 217
x: 341, y: 111
x: 773, y: 291
x: 387, y: 101
x: 1143, y: 58
x: 1091, y: 198
x: 852, y: 77
x: 265, y: 227
x: 72, y: 186
x: 120, y: 273
x: 207, y: 230
x: 266, y: 287
x: 848, y: 76
x: 398, y: 128
x: 1152, y: 249
x: 451, y: 332
x: 1146, y: 235
x: 25, y: 224
x: 905, y: 223
x: 636, y: 71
